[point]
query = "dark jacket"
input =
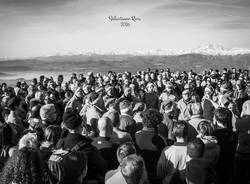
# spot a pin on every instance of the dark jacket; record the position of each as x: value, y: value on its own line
x: 107, y: 149
x: 96, y: 163
x: 243, y: 130
x: 200, y: 171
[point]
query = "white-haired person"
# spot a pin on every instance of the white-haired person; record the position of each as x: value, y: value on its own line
x: 132, y: 171
x: 122, y: 151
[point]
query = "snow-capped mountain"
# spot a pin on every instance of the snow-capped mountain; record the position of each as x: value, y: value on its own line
x: 215, y: 49
x: 210, y: 49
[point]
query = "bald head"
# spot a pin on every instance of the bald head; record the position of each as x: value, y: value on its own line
x: 246, y: 108
x: 105, y: 127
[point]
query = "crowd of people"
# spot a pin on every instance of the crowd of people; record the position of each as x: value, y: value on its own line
x: 154, y: 126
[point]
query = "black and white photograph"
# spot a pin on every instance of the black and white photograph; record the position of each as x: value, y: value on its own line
x: 124, y: 91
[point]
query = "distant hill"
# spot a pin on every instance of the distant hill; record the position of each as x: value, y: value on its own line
x: 119, y: 63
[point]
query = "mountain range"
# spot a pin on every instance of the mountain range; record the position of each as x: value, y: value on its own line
x: 209, y: 49
x: 206, y: 49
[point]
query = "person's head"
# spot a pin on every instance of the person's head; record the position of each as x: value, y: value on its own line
x: 105, y: 127
x: 208, y: 92
x: 127, y: 92
x: 195, y: 109
x: 29, y: 140
x: 48, y: 113
x: 79, y: 93
x: 52, y: 133
x: 68, y: 94
x: 180, y: 129
x: 22, y: 167
x: 169, y: 107
x: 39, y: 95
x: 72, y: 121
x: 110, y: 103
x: 35, y: 111
x: 4, y: 87
x: 186, y: 95
x: 125, y: 106
x: 223, y: 117
x: 150, y: 87
x: 133, y: 169
x: 168, y: 86
x: 54, y: 96
x: 147, y: 77
x: 151, y: 118
x: 205, y: 128
x: 93, y: 97
x: 124, y: 150
x: 245, y: 108
x: 195, y: 148
x: 60, y: 79
x: 226, y: 87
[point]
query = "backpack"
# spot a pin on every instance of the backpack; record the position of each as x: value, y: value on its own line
x: 68, y: 165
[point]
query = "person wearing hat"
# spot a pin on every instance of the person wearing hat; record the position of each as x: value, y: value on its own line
x: 96, y: 164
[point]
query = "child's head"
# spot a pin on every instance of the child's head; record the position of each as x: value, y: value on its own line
x: 195, y: 148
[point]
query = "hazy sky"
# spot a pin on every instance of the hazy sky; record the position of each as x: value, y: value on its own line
x: 47, y: 27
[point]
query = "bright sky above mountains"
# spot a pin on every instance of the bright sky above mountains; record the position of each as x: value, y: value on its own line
x: 46, y: 27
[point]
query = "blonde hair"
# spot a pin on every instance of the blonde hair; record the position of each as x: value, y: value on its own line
x: 29, y: 141
x: 245, y: 108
